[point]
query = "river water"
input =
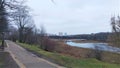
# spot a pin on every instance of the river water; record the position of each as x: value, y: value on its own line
x: 100, y: 46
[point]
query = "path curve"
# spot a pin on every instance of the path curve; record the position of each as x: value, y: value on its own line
x: 26, y: 59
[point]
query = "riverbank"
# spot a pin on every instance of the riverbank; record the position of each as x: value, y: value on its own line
x: 86, y: 41
x: 101, y: 46
x: 70, y: 61
x: 110, y: 43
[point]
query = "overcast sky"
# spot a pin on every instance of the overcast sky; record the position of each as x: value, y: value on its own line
x: 74, y: 16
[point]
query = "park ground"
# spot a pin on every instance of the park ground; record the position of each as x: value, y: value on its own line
x: 111, y: 60
x: 6, y: 61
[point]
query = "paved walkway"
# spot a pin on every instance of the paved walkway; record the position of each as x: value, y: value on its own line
x: 26, y: 59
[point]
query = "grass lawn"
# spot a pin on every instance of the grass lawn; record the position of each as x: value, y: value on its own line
x: 70, y: 62
x: 3, y: 56
x: 6, y: 61
x: 1, y: 61
x: 0, y: 42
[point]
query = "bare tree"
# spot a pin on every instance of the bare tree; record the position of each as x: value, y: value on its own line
x: 22, y: 19
x: 12, y: 33
x: 6, y: 6
x: 3, y: 19
x: 95, y: 53
x: 29, y: 36
x: 42, y: 37
x: 44, y: 41
x: 115, y: 37
x: 115, y: 23
x: 3, y: 16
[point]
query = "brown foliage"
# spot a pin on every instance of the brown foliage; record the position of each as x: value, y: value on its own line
x: 61, y: 47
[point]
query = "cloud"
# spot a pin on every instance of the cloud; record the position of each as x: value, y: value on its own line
x: 75, y: 16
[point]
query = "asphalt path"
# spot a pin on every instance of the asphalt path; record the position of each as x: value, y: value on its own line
x: 26, y: 59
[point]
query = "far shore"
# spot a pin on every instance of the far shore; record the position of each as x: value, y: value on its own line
x: 79, y: 40
x: 87, y: 41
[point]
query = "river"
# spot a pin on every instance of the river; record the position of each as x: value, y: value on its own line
x: 100, y: 46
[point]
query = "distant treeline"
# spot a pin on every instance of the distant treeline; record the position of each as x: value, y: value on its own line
x: 97, y: 36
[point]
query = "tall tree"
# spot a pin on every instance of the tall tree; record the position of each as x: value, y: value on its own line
x: 5, y: 6
x: 42, y: 37
x: 22, y: 19
x: 3, y: 17
x: 115, y: 37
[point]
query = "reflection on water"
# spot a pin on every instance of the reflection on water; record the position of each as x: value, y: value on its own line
x: 103, y: 46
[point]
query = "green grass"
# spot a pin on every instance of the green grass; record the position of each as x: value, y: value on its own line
x: 0, y: 42
x: 71, y: 62
x: 6, y: 61
x: 1, y: 62
x: 3, y: 56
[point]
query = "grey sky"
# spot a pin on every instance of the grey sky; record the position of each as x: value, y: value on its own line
x: 74, y: 16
